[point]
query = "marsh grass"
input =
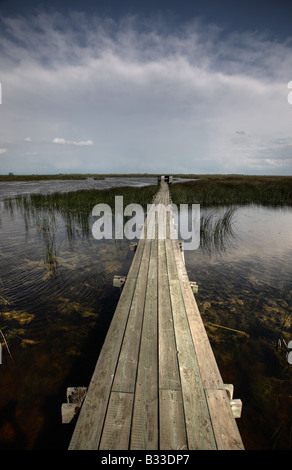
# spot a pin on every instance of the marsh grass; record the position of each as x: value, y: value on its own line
x: 84, y: 200
x: 231, y: 190
x: 75, y: 208
x: 209, y: 191
x: 216, y: 230
x: 46, y: 225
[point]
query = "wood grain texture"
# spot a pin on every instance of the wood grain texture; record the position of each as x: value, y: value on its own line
x: 156, y: 385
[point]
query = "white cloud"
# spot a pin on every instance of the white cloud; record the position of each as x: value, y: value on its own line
x: 191, y: 100
x: 58, y: 140
x: 3, y: 150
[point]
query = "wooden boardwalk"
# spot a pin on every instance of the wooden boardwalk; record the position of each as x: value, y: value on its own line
x: 156, y: 385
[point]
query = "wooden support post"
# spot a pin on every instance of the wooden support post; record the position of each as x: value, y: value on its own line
x: 194, y: 287
x: 181, y: 245
x: 119, y: 281
x: 75, y: 397
x: 236, y: 407
x: 235, y: 404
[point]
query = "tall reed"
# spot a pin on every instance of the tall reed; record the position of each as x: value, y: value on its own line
x: 75, y: 207
x: 231, y: 190
x: 216, y: 230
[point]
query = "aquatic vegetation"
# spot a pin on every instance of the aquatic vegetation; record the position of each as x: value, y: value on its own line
x: 23, y: 318
x: 75, y: 208
x: 46, y: 225
x: 55, y: 320
x: 28, y: 342
x: 226, y: 190
x: 216, y: 230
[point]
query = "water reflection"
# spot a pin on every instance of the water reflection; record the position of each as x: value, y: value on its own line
x: 248, y: 289
x: 57, y: 301
x: 57, y: 297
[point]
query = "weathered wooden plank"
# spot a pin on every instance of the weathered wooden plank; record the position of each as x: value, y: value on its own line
x: 116, y: 432
x: 135, y: 266
x: 168, y: 364
x: 172, y: 435
x: 224, y: 425
x: 198, y: 422
x: 211, y: 376
x: 144, y: 433
x: 125, y: 377
x: 171, y: 412
x: 171, y: 265
x: 149, y: 230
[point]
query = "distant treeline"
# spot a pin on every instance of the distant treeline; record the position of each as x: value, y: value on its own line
x: 73, y: 176
x: 76, y: 176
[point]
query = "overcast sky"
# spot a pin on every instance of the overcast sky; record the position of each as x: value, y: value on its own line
x: 145, y: 86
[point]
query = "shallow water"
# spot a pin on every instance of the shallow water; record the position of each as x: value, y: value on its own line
x: 246, y: 285
x: 58, y: 300
x: 10, y: 189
